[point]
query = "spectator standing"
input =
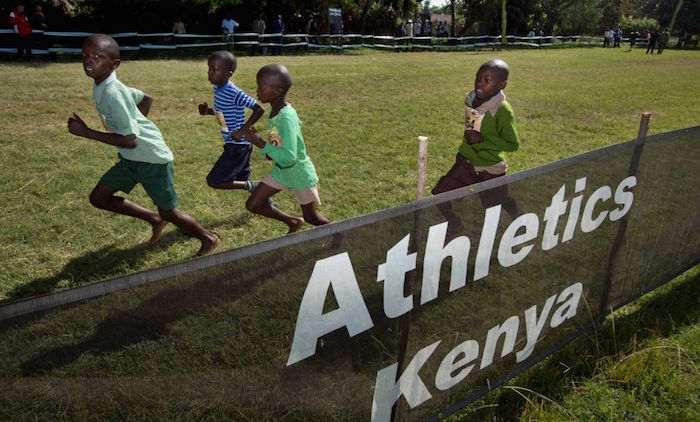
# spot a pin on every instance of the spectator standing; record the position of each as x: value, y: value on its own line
x: 531, y: 36
x: 633, y: 39
x: 228, y: 26
x: 663, y: 40
x: 312, y: 30
x: 425, y: 30
x: 652, y: 37
x: 408, y: 30
x: 23, y: 31
x: 417, y: 29
x: 259, y: 28
x: 617, y: 37
x: 179, y: 26
x: 278, y: 28
x: 38, y: 20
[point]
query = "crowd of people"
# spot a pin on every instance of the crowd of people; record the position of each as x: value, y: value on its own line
x: 426, y: 28
x: 24, y: 25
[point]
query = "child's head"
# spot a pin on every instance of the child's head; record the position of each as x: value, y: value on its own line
x: 222, y: 64
x: 274, y: 81
x: 491, y: 77
x: 100, y: 56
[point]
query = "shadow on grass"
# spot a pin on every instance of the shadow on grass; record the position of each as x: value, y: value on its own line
x: 106, y: 262
x: 110, y: 262
x: 669, y: 309
x: 152, y: 318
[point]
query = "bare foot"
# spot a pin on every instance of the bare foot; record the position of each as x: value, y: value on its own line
x: 295, y: 224
x: 208, y: 245
x: 157, y: 231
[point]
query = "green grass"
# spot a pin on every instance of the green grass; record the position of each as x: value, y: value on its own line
x: 361, y: 116
x: 361, y: 113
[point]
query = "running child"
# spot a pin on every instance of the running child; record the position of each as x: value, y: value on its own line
x: 490, y: 132
x: 143, y: 155
x: 293, y: 169
x: 232, y: 169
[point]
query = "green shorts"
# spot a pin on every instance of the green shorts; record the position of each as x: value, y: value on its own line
x: 157, y: 180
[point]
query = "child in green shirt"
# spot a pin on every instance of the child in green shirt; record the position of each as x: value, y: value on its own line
x: 143, y: 155
x: 293, y: 169
x: 490, y: 132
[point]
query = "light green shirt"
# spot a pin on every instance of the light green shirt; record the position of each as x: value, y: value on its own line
x: 293, y: 168
x: 117, y: 105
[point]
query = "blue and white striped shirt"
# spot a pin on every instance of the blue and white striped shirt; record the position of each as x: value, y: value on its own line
x: 231, y: 101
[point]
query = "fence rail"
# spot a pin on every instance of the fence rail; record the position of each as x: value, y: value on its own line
x: 55, y: 42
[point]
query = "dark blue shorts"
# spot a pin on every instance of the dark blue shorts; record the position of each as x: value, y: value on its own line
x: 233, y: 165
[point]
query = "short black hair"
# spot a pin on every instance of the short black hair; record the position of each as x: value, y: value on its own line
x: 279, y: 75
x: 225, y: 57
x: 499, y: 66
x: 105, y: 43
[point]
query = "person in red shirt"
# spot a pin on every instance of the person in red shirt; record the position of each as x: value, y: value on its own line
x: 23, y: 31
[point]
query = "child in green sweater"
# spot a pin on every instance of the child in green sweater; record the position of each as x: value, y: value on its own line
x: 293, y: 169
x: 490, y: 131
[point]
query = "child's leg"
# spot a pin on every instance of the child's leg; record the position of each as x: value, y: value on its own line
x: 312, y: 216
x: 232, y: 169
x: 104, y: 197
x: 190, y: 226
x: 258, y: 203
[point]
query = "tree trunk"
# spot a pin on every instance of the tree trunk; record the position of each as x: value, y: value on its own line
x: 503, y: 22
x: 673, y: 19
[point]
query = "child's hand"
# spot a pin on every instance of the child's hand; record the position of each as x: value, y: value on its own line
x: 77, y: 126
x: 237, y: 135
x: 251, y: 134
x: 204, y: 109
x: 473, y: 137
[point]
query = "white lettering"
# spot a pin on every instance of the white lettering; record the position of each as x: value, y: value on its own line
x: 551, y: 216
x: 623, y: 197
x: 574, y: 211
x: 444, y: 379
x: 568, y: 309
x: 588, y: 224
x: 510, y: 329
x: 393, y: 272
x: 488, y: 237
x: 334, y: 272
x: 506, y: 256
x: 533, y: 328
x: 410, y: 385
x: 435, y: 253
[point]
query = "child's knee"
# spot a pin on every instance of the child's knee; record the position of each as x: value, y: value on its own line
x: 97, y: 200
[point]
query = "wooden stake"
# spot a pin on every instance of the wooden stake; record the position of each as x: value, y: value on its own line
x: 644, y: 125
x: 422, y: 163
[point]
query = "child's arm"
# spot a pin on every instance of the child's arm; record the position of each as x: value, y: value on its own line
x: 205, y: 109
x: 77, y: 127
x: 284, y: 155
x: 473, y: 137
x: 251, y: 134
x: 258, y: 111
x: 145, y: 105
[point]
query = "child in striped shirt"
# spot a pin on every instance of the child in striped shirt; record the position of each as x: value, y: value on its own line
x: 232, y: 169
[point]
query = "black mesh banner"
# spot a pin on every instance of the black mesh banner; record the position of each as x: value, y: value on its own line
x: 407, y: 314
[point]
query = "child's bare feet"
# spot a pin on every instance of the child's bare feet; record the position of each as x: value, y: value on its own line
x: 208, y: 245
x: 157, y: 231
x: 295, y: 224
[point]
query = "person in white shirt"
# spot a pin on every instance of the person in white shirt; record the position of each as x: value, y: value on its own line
x: 227, y: 26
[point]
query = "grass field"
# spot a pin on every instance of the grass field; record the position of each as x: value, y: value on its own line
x: 362, y: 113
